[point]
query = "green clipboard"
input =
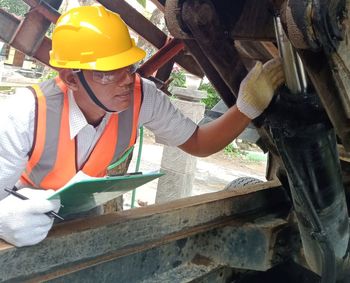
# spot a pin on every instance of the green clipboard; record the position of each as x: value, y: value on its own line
x: 85, y: 194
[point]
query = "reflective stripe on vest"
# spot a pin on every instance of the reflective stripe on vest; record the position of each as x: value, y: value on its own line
x: 52, y: 161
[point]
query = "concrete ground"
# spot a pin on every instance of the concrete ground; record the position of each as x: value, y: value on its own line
x: 212, y: 173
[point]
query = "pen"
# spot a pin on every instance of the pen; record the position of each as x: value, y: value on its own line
x: 126, y: 174
x: 20, y: 196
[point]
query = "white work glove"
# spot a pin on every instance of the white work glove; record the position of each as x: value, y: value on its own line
x: 258, y: 87
x: 24, y: 222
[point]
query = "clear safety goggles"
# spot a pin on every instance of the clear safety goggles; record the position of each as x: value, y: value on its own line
x: 110, y: 77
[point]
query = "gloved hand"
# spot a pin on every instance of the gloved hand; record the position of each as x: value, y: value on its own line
x: 258, y: 87
x: 23, y: 222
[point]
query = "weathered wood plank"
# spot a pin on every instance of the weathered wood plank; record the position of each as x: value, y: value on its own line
x: 255, y: 22
x: 208, y: 31
x: 84, y: 243
x: 245, y: 246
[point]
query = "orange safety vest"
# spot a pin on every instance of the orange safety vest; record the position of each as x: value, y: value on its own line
x: 53, y: 158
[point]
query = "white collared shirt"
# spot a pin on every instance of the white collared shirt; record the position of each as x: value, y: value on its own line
x: 17, y: 116
x: 87, y: 135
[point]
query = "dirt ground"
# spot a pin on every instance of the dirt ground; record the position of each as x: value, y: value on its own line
x: 237, y: 163
x: 211, y: 175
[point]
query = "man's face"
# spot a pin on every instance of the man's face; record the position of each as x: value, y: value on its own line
x: 112, y: 88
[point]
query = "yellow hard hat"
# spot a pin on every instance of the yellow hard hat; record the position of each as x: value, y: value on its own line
x: 93, y: 38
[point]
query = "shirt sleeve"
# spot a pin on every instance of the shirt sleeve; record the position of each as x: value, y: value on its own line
x: 17, y: 113
x: 159, y: 115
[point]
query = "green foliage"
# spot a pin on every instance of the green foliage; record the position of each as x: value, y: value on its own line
x: 49, y: 75
x: 7, y: 89
x: 231, y: 151
x: 243, y: 155
x: 142, y: 3
x: 178, y: 78
x: 212, y: 95
x: 17, y: 7
x: 255, y: 157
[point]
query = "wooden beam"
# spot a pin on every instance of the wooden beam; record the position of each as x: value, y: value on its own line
x: 204, y: 23
x: 82, y: 244
x: 256, y: 50
x: 255, y: 22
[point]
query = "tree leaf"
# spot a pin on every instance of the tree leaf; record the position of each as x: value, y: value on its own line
x: 142, y: 2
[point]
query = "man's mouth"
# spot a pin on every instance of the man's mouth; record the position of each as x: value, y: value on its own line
x: 124, y: 94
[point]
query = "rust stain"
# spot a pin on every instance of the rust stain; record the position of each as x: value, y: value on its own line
x: 202, y: 260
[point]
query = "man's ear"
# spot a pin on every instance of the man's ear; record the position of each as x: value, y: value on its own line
x: 69, y: 78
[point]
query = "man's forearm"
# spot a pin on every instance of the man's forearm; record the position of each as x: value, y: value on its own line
x: 214, y: 136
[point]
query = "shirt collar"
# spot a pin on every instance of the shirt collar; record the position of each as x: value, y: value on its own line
x: 77, y: 120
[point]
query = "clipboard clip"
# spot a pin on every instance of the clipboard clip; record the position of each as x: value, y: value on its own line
x: 126, y: 174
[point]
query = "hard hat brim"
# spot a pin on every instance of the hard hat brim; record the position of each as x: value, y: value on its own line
x: 121, y: 60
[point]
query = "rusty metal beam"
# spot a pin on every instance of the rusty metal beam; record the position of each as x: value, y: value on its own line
x: 148, y: 31
x: 164, y: 72
x: 42, y: 53
x: 28, y: 35
x: 164, y: 54
x: 8, y: 25
x: 32, y: 28
x: 45, y: 9
x: 137, y: 22
x: 139, y: 243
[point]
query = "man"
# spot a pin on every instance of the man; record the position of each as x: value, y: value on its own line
x: 88, y: 117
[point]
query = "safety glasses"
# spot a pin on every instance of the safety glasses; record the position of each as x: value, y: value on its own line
x: 110, y: 77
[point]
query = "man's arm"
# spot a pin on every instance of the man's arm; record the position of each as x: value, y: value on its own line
x: 16, y: 136
x: 214, y: 136
x: 255, y: 94
x: 22, y: 222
